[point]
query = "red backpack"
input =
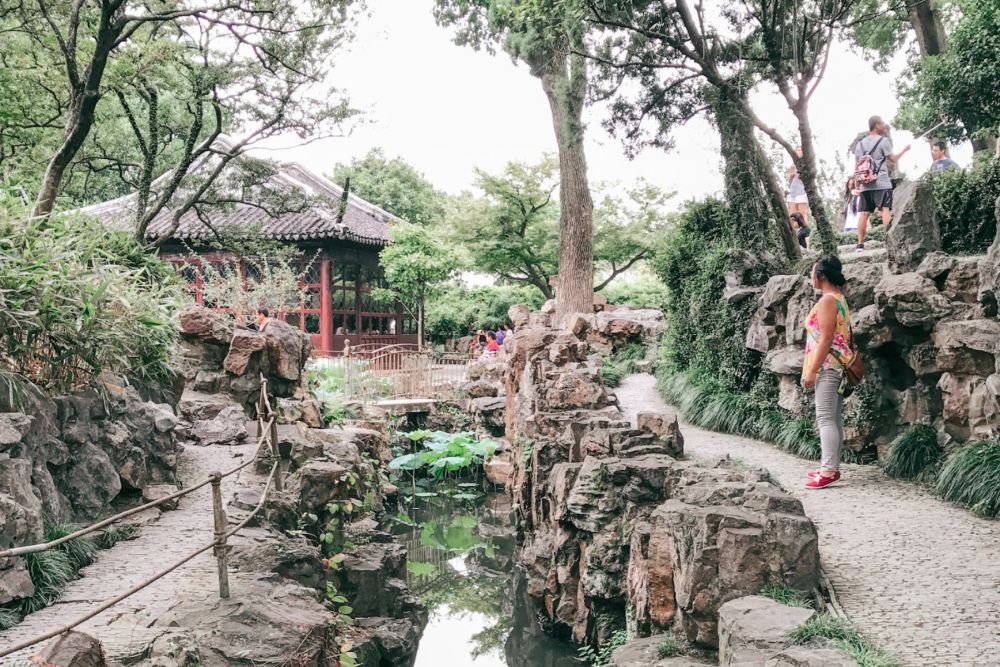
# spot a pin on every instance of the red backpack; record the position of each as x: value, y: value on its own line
x: 865, y: 170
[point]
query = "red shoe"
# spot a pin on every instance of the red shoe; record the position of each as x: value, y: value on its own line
x: 820, y: 482
x: 812, y: 474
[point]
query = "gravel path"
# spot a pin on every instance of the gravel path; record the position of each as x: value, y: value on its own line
x: 919, y: 575
x: 124, y: 629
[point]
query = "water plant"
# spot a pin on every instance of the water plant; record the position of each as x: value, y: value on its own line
x: 912, y: 453
x: 442, y: 453
x: 845, y: 637
x: 971, y: 477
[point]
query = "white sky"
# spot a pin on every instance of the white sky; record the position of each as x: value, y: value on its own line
x: 446, y: 109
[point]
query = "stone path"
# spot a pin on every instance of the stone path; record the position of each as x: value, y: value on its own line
x: 919, y: 575
x: 123, y: 629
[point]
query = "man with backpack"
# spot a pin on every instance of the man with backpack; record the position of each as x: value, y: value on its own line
x: 871, y: 174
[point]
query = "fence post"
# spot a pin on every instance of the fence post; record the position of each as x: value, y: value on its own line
x: 219, y: 516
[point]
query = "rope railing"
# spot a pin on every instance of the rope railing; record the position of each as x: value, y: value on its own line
x: 267, y: 433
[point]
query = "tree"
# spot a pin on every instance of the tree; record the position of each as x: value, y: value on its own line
x: 415, y: 268
x: 960, y: 83
x: 678, y: 49
x: 395, y: 185
x: 549, y: 36
x: 513, y: 230
x: 250, y: 64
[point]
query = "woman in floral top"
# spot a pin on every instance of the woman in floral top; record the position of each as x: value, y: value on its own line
x: 828, y: 351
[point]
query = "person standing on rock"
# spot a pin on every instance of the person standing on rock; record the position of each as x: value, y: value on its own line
x: 873, y: 154
x: 828, y: 350
x: 798, y: 201
x: 942, y: 161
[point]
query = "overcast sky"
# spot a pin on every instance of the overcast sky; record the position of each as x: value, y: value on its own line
x: 447, y: 109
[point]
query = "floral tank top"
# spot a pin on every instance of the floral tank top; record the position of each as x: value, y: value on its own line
x: 841, y: 338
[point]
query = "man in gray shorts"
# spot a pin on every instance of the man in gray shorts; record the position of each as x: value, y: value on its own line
x: 876, y: 195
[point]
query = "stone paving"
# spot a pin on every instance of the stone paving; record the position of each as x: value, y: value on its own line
x: 124, y: 629
x: 920, y: 576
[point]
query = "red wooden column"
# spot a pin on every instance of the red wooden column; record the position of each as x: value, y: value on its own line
x: 325, y: 307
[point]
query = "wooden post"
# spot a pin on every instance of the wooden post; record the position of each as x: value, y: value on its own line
x: 325, y: 307
x: 219, y: 516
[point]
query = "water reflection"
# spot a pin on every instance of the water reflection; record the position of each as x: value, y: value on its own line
x: 461, y: 564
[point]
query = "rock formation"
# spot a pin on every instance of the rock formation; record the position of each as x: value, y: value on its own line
x: 926, y: 323
x: 614, y: 523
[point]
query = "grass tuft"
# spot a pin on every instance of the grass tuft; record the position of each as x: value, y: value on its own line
x: 122, y: 532
x: 971, y: 477
x: 50, y: 571
x: 912, y: 453
x: 8, y: 619
x: 845, y: 637
x: 668, y: 648
x: 80, y: 551
x: 786, y: 595
x: 621, y: 362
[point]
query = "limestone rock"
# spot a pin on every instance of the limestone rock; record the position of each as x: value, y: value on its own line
x: 396, y: 638
x: 481, y: 389
x: 936, y: 266
x: 914, y: 232
x: 499, y: 468
x: 518, y: 315
x: 862, y: 277
x: 756, y: 627
x: 989, y: 274
x: 154, y: 492
x: 13, y: 426
x: 288, y: 349
x: 802, y: 656
x: 963, y: 281
x: 779, y: 290
x: 957, y: 392
x: 643, y: 653
x: 208, y: 326
x: 984, y: 409
x: 73, y: 649
x: 91, y: 481
x: 228, y: 427
x: 195, y: 405
x: 666, y: 427
x: 970, y: 347
x: 307, y: 411
x: 911, y: 300
x: 296, y: 559
x: 245, y: 344
x: 787, y: 361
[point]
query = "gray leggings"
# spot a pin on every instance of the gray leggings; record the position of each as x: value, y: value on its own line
x: 830, y: 417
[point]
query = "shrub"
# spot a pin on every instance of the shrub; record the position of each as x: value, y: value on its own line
x: 964, y: 201
x: 461, y: 311
x: 912, y: 453
x: 971, y: 477
x: 77, y: 300
x: 621, y: 362
x: 645, y: 292
x: 845, y: 637
x: 602, y: 654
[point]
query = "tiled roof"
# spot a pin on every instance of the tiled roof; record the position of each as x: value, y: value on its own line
x: 363, y: 222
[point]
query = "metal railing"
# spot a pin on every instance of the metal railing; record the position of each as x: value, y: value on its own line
x: 267, y: 435
x: 372, y: 372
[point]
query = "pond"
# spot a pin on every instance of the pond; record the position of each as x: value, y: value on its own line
x: 461, y: 545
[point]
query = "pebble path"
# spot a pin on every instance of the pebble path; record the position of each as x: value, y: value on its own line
x: 917, y: 574
x: 124, y: 629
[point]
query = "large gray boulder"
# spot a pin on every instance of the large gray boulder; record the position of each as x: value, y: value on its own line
x: 915, y: 231
x: 644, y: 653
x: 753, y: 628
x: 911, y: 300
x: 73, y: 649
x: 229, y: 427
x: 967, y: 347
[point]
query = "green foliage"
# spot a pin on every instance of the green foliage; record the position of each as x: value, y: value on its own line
x: 457, y: 310
x: 621, y: 363
x: 602, y: 654
x: 50, y: 571
x: 705, y: 332
x: 971, y: 477
x: 964, y: 201
x: 122, y: 532
x: 646, y: 292
x: 912, y: 453
x: 959, y: 84
x: 707, y: 403
x: 8, y: 619
x: 668, y: 648
x: 77, y: 300
x: 845, y: 637
x: 444, y: 453
x: 394, y: 185
x: 80, y: 551
x: 786, y: 595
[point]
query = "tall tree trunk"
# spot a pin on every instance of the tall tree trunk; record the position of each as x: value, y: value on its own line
x: 565, y: 85
x: 927, y: 25
x: 776, y: 199
x: 747, y: 190
x: 806, y: 166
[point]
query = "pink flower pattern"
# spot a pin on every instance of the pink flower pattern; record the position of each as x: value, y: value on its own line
x: 840, y: 345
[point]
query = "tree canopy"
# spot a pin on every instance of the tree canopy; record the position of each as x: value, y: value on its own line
x: 393, y: 184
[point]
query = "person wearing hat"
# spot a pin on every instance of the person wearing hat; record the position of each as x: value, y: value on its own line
x: 876, y: 195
